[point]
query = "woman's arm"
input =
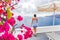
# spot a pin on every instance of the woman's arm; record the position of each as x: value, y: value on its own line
x: 37, y: 21
x: 32, y: 22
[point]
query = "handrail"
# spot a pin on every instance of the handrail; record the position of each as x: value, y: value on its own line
x: 46, y: 29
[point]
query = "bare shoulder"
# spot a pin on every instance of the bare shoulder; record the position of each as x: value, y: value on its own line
x: 33, y: 18
x: 36, y: 18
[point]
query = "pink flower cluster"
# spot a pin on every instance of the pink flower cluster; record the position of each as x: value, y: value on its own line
x: 11, y: 21
x: 28, y: 32
x: 5, y: 27
x: 6, y: 23
x: 1, y: 10
x: 19, y: 18
x: 7, y: 36
x: 10, y: 36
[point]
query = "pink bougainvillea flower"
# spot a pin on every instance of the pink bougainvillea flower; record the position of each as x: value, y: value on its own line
x: 0, y: 19
x: 28, y: 32
x: 20, y: 37
x: 19, y: 18
x: 26, y: 35
x: 5, y: 35
x: 11, y: 21
x: 27, y: 28
x: 11, y: 37
x: 1, y: 7
x: 22, y: 26
x: 21, y: 31
x: 1, y: 11
x: 8, y: 36
x: 5, y: 13
x: 12, y: 8
x: 1, y: 38
x: 6, y: 26
x: 1, y: 28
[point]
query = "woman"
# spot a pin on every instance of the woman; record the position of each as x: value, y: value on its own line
x: 34, y: 23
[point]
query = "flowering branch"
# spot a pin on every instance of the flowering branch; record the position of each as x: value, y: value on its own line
x: 7, y: 21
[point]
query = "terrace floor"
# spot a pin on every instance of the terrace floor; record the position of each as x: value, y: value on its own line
x: 40, y: 36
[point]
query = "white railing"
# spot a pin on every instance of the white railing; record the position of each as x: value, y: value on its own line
x: 46, y: 29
